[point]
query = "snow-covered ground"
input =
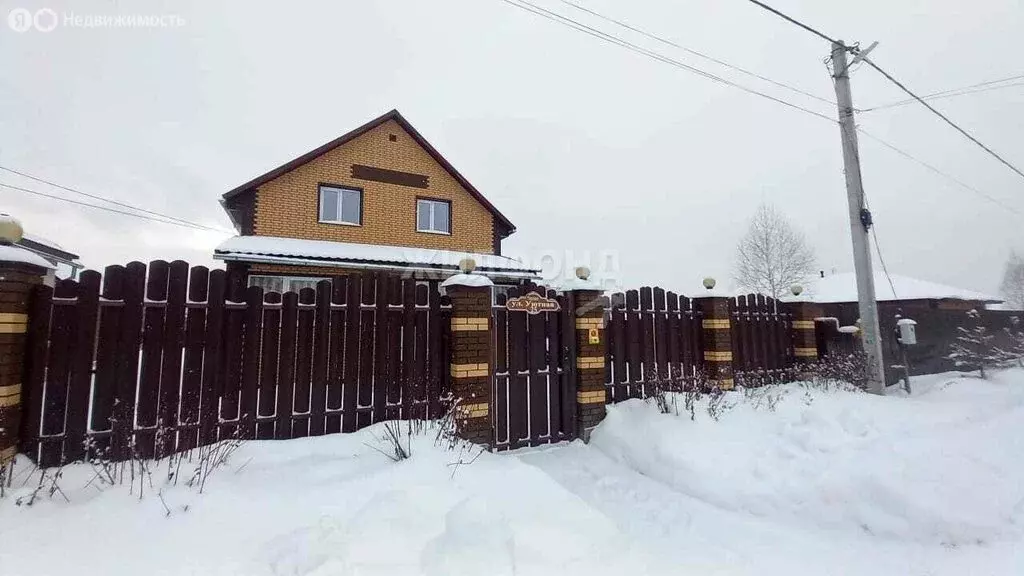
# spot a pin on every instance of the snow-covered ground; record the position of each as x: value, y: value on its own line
x: 789, y: 480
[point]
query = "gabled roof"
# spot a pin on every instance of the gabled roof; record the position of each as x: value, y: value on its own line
x: 392, y: 115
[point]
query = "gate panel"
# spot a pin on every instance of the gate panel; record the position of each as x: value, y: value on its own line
x: 530, y: 386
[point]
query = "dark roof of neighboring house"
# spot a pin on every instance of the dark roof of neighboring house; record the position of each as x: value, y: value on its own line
x: 392, y: 115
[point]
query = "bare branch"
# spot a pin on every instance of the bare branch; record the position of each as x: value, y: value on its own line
x: 772, y: 255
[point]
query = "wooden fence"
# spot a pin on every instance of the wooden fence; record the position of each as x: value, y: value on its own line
x: 652, y: 334
x: 146, y: 361
x: 762, y: 348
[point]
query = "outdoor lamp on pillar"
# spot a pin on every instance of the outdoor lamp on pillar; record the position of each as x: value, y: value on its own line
x: 10, y: 229
x: 467, y: 265
x: 582, y: 272
x: 796, y: 289
x: 709, y: 283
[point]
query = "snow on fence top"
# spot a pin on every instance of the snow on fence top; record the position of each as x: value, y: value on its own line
x: 325, y: 252
x: 843, y: 288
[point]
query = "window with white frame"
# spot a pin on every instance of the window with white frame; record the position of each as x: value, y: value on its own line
x: 434, y: 216
x: 341, y: 205
x: 283, y: 284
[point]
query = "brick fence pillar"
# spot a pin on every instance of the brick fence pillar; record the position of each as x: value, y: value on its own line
x: 591, y: 346
x: 805, y: 344
x: 20, y: 272
x: 717, y: 337
x: 470, y: 361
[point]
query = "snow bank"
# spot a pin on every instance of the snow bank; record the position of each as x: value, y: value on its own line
x: 904, y: 468
x: 827, y: 483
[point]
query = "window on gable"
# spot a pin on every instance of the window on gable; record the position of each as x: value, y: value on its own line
x: 341, y: 205
x: 434, y: 216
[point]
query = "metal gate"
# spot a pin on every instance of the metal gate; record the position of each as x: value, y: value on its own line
x: 533, y: 383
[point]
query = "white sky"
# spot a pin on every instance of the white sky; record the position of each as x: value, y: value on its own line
x: 583, y: 145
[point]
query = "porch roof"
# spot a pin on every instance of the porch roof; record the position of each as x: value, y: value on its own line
x: 274, y: 249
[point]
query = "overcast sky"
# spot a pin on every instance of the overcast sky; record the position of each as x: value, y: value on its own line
x: 583, y: 145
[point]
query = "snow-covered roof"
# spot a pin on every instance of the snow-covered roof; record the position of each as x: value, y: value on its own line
x: 346, y: 254
x: 470, y: 280
x: 12, y: 253
x: 42, y: 240
x: 842, y: 287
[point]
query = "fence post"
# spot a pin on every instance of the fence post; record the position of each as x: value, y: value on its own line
x: 805, y: 345
x: 470, y: 360
x: 20, y: 272
x: 591, y: 353
x: 717, y: 337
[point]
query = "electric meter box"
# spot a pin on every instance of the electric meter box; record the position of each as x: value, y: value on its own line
x: 908, y: 331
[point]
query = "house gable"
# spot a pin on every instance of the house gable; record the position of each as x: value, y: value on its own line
x: 393, y: 166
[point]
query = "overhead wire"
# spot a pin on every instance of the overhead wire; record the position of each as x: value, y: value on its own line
x: 111, y: 201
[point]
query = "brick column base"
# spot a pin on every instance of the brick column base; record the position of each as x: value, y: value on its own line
x: 590, y: 361
x: 471, y: 361
x: 17, y: 280
x: 716, y: 327
x: 805, y: 345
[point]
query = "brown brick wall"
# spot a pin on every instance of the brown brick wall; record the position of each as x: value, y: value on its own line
x: 288, y: 205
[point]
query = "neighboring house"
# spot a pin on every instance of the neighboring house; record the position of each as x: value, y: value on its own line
x: 378, y: 198
x: 64, y: 264
x: 938, y: 309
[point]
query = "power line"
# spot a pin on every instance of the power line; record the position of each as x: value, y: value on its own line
x: 943, y: 116
x: 111, y: 201
x: 972, y: 89
x: 108, y: 209
x: 695, y: 52
x: 612, y: 39
x: 795, y: 21
x: 957, y: 181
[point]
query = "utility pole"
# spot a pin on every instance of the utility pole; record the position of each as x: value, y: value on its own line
x: 860, y: 222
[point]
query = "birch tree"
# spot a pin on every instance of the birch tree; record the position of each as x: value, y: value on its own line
x: 772, y: 255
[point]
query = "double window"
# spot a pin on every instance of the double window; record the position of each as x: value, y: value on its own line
x: 283, y: 284
x: 433, y: 216
x: 340, y: 205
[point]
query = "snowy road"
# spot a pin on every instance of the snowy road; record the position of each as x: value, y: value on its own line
x: 820, y: 483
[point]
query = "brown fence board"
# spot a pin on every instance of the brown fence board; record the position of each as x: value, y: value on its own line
x: 152, y: 354
x: 321, y: 353
x: 213, y: 375
x: 410, y: 387
x: 518, y: 364
x: 271, y: 342
x: 500, y: 366
x: 380, y: 350
x: 350, y: 398
x: 81, y: 347
x: 251, y: 356
x: 171, y: 368
x: 336, y: 355
x: 105, y: 387
x: 58, y: 363
x: 366, y: 343
x: 538, y: 380
x: 229, y: 384
x: 286, y: 365
x: 303, y: 364
x: 192, y: 367
x: 127, y: 361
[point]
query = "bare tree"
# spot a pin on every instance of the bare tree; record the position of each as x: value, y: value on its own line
x: 1013, y: 281
x: 772, y: 255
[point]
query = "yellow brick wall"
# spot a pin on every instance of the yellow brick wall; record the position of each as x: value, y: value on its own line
x: 287, y: 206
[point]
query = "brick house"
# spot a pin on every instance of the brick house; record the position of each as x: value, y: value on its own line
x: 379, y: 198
